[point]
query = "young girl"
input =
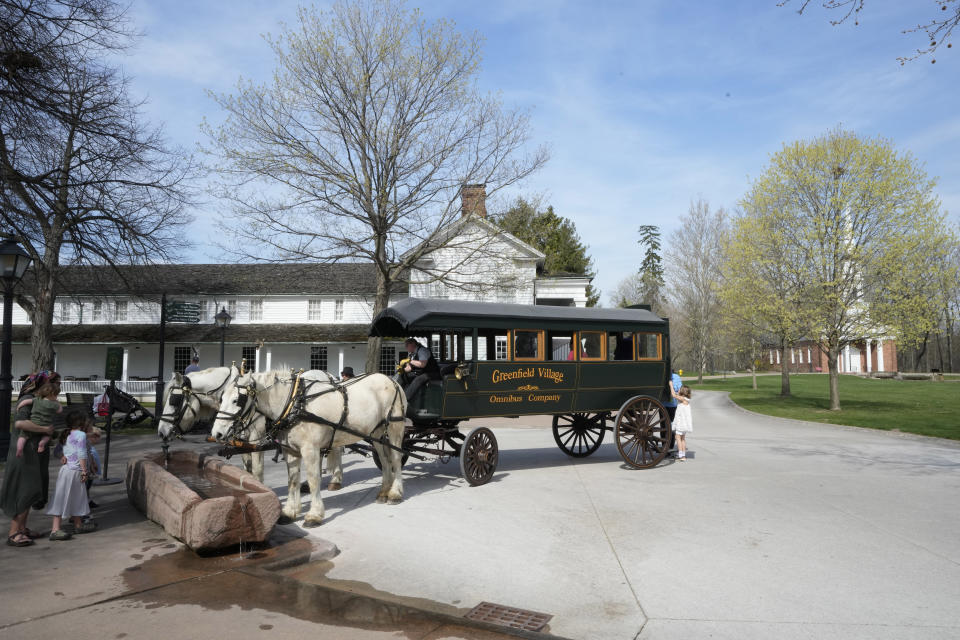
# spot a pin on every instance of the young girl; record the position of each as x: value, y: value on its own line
x: 45, y: 407
x: 683, y: 422
x: 70, y: 498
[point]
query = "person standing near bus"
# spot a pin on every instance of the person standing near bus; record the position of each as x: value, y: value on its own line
x: 671, y: 405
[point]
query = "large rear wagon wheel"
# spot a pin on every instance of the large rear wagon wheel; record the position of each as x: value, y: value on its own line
x: 579, y: 434
x: 642, y: 432
x: 479, y: 455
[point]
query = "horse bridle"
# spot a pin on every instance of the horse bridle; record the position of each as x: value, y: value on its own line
x: 180, y: 400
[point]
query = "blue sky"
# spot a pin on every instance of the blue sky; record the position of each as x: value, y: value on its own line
x: 645, y: 105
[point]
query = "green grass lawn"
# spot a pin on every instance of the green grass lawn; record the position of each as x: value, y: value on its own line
x: 916, y: 406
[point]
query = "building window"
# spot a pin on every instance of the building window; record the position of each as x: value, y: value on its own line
x: 501, y: 348
x: 98, y: 310
x: 204, y: 314
x: 65, y: 311
x: 249, y: 354
x: 318, y: 358
x: 256, y: 310
x: 232, y: 308
x: 338, y: 310
x: 181, y: 358
x: 120, y: 311
x: 388, y: 360
x: 313, y: 310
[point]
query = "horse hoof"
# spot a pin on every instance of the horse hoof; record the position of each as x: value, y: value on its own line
x: 381, y: 499
x: 394, y: 500
x: 284, y: 519
x: 334, y: 486
x: 310, y: 524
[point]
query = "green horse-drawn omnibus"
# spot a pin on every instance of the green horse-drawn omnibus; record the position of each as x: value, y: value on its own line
x: 591, y: 369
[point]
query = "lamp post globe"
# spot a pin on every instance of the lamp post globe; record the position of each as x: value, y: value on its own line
x: 13, y: 264
x: 222, y: 320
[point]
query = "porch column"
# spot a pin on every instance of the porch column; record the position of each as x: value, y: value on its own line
x: 880, y: 356
x: 869, y: 364
x: 771, y: 356
x: 340, y: 360
x: 256, y: 360
x: 793, y: 356
x: 778, y: 356
x: 126, y: 361
x: 846, y: 358
x: 809, y: 355
x: 269, y: 357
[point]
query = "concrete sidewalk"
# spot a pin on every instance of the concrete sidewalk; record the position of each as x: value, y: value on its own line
x: 775, y: 528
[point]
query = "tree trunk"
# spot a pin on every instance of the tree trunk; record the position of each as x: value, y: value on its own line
x: 753, y: 370
x: 949, y: 366
x: 380, y: 302
x: 41, y: 318
x: 784, y: 371
x: 833, y: 357
x: 921, y: 352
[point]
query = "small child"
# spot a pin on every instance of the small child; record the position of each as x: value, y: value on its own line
x: 45, y: 407
x: 70, y: 498
x: 683, y: 422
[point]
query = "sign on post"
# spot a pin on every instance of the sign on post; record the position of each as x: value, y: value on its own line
x: 179, y: 311
x: 114, y: 369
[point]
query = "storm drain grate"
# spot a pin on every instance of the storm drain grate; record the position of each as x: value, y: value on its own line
x: 509, y: 616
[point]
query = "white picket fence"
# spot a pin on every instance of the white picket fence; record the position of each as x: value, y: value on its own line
x: 144, y: 388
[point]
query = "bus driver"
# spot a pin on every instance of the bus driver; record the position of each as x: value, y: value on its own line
x: 421, y: 367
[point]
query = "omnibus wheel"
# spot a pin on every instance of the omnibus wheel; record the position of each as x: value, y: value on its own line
x: 579, y: 434
x: 642, y: 432
x: 479, y: 455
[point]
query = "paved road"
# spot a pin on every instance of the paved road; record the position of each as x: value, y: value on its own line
x: 775, y: 528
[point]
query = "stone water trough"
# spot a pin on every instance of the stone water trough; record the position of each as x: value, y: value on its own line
x: 201, y: 500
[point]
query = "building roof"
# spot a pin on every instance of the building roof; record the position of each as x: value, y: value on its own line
x: 350, y: 278
x: 412, y: 314
x: 194, y: 333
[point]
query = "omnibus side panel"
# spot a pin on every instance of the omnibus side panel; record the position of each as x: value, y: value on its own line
x: 605, y: 386
x: 512, y: 388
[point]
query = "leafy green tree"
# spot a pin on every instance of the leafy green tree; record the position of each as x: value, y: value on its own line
x: 651, y: 269
x: 861, y: 227
x: 555, y: 236
x: 763, y: 289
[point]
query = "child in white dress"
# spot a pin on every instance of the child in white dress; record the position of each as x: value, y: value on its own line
x: 683, y: 421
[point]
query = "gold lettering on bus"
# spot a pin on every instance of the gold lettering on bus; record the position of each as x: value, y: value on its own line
x: 548, y: 373
x: 510, y: 398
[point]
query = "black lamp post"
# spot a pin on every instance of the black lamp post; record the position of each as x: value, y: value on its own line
x: 222, y: 319
x: 13, y: 263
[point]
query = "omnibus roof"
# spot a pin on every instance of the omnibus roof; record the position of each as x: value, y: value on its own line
x: 410, y: 315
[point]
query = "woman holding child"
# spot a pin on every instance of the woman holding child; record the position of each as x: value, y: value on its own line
x: 26, y: 476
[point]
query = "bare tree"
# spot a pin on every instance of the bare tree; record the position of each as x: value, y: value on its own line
x: 938, y: 30
x: 693, y: 275
x: 81, y: 179
x: 359, y: 146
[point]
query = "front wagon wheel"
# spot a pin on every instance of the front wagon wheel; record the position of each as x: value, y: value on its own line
x: 642, y: 432
x: 579, y: 434
x: 479, y: 455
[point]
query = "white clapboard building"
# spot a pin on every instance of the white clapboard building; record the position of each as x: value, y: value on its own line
x: 314, y: 316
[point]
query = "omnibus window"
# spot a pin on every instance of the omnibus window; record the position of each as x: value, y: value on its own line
x: 591, y: 343
x: 501, y: 351
x: 648, y: 346
x: 620, y: 345
x: 560, y: 346
x: 526, y: 344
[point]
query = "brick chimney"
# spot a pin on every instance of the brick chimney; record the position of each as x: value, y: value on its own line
x: 473, y: 198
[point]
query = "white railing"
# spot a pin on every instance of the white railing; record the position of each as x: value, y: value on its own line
x: 133, y: 387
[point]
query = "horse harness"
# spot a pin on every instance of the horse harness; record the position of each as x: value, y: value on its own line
x: 295, y: 412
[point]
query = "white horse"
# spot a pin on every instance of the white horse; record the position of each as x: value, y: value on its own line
x: 370, y: 405
x: 195, y: 397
